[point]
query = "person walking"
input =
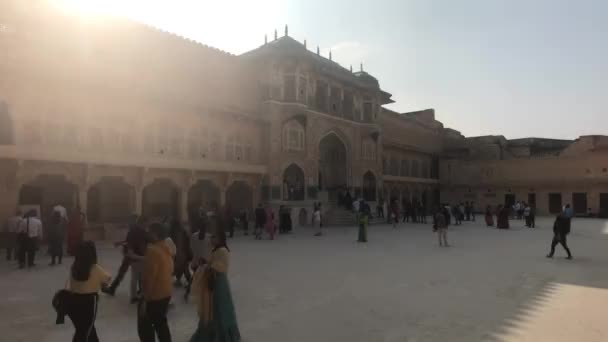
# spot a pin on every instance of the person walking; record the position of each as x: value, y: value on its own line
x: 561, y: 229
x: 183, y: 254
x: 364, y: 214
x: 440, y: 225
x: 394, y: 213
x: 200, y: 244
x: 532, y: 217
x: 380, y: 208
x: 29, y: 236
x: 134, y: 248
x: 11, y: 229
x: 244, y: 219
x: 56, y: 235
x: 86, y: 279
x: 217, y: 316
x: 527, y: 215
x: 260, y: 220
x: 502, y: 217
x: 269, y: 223
x: 456, y: 214
x: 316, y: 220
x: 472, y: 206
x: 422, y: 212
x: 489, y: 217
x: 156, y: 288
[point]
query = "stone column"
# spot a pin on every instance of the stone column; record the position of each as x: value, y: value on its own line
x: 222, y: 196
x: 138, y: 201
x: 82, y: 199
x: 183, y: 201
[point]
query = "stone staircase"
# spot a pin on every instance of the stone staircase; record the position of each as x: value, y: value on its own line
x: 339, y: 216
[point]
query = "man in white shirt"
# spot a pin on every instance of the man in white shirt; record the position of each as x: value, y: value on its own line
x: 29, y: 235
x: 12, y: 224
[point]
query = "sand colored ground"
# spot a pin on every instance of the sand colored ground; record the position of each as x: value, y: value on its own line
x: 490, y: 285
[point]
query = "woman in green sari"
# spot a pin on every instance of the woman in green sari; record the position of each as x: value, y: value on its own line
x: 217, y: 317
x: 363, y: 217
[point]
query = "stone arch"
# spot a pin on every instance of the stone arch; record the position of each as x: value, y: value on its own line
x: 111, y: 199
x: 369, y: 186
x: 204, y: 193
x: 339, y: 134
x: 47, y: 191
x: 160, y: 199
x: 333, y: 164
x: 7, y: 129
x: 239, y: 197
x: 293, y: 183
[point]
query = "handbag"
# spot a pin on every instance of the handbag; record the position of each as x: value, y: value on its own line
x: 60, y: 305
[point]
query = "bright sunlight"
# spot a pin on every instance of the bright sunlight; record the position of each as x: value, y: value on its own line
x: 235, y: 26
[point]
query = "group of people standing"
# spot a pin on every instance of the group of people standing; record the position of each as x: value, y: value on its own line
x: 414, y: 211
x: 24, y: 233
x: 159, y: 253
x: 519, y: 210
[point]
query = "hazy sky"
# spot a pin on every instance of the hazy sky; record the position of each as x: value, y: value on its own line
x: 518, y: 68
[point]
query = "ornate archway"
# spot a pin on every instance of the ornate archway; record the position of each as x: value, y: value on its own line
x: 333, y: 172
x: 369, y: 186
x: 293, y: 183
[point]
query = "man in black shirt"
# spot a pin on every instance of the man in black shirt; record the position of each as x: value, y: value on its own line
x: 561, y: 228
x: 134, y: 246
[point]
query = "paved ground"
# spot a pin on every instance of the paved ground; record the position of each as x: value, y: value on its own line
x: 490, y: 285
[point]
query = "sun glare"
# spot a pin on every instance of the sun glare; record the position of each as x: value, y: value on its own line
x: 235, y: 26
x: 90, y: 7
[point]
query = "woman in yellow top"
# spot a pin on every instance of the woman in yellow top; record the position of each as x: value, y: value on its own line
x: 86, y: 279
x: 217, y: 318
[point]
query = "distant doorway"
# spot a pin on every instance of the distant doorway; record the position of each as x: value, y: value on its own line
x: 603, y: 205
x: 332, y: 165
x: 509, y: 200
x: 579, y: 203
x: 369, y: 187
x: 555, y: 203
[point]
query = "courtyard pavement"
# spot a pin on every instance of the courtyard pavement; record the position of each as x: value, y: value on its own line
x: 491, y: 285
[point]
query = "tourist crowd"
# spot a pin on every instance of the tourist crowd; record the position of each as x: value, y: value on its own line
x: 162, y: 253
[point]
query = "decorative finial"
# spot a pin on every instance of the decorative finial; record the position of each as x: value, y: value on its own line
x: 318, y: 50
x: 286, y: 31
x: 305, y: 43
x: 361, y: 67
x: 265, y: 39
x: 351, y: 68
x: 330, y: 54
x: 275, y: 34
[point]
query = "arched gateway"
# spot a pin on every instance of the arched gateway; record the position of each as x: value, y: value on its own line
x: 333, y: 173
